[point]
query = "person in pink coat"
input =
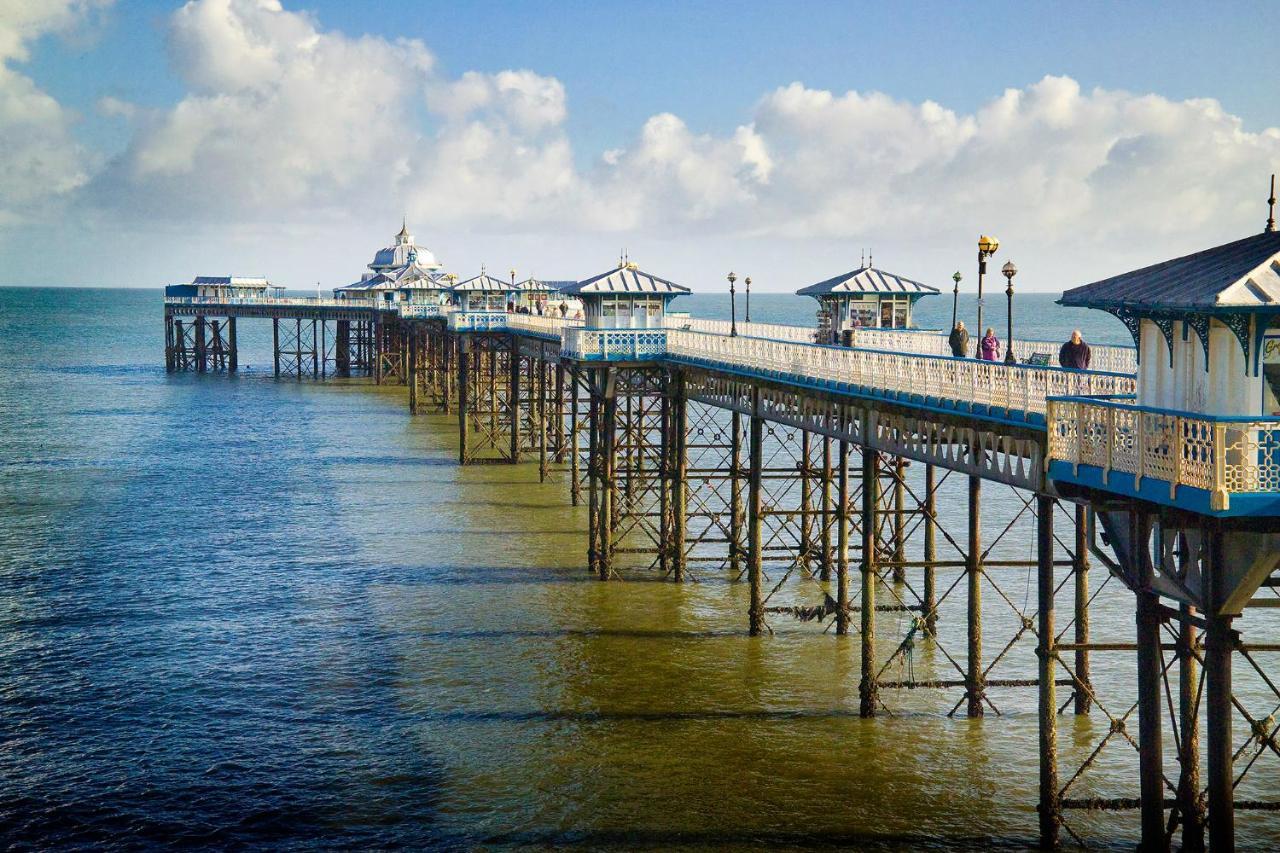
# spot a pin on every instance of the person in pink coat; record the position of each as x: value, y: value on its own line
x: 990, y: 346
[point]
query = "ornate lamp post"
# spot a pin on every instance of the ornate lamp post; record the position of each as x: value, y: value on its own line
x: 987, y: 247
x: 1009, y: 271
x: 955, y: 296
x: 747, y: 282
x: 733, y: 308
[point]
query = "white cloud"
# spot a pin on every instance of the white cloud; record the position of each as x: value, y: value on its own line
x: 39, y: 157
x: 282, y: 117
x: 286, y: 124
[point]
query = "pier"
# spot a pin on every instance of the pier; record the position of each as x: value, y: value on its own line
x: 815, y: 458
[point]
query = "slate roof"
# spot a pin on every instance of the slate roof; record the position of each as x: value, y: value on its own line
x: 484, y: 283
x: 232, y: 280
x: 867, y: 280
x: 627, y: 279
x: 1243, y: 274
x: 538, y: 285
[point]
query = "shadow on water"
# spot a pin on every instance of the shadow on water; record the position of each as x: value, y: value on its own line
x: 660, y: 839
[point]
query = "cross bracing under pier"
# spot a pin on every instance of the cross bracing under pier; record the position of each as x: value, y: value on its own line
x: 878, y: 495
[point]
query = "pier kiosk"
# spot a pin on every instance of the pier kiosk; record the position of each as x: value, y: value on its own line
x: 864, y: 298
x: 540, y: 296
x: 481, y: 302
x: 624, y: 313
x: 1184, y: 481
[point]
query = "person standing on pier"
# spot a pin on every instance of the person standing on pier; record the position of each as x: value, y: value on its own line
x: 959, y: 340
x: 1075, y: 353
x: 990, y: 346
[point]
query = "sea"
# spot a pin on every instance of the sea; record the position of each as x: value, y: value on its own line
x: 244, y: 613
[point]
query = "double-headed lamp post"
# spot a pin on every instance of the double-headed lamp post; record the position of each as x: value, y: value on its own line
x: 987, y: 247
x: 733, y: 307
x: 955, y: 297
x: 1009, y: 271
x: 747, y: 282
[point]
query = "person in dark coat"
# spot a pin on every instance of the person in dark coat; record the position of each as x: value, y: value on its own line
x: 1075, y: 353
x: 959, y: 340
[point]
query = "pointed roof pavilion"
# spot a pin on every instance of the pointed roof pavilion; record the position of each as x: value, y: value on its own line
x: 868, y: 279
x: 626, y: 278
x: 484, y: 283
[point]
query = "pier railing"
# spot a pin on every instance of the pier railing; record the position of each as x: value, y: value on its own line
x: 540, y: 325
x: 1108, y: 359
x: 615, y: 344
x: 282, y: 301
x: 1105, y: 358
x: 776, y: 331
x: 1221, y: 455
x: 478, y: 321
x: 933, y: 380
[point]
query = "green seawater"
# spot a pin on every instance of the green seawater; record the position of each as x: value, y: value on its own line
x: 241, y: 612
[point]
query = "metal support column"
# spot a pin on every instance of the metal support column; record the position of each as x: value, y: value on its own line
x: 1190, y: 807
x: 930, y: 551
x: 275, y: 344
x: 755, y: 556
x: 1150, y: 673
x: 867, y: 687
x: 1080, y: 565
x: 842, y: 540
x: 1219, y: 642
x: 233, y: 347
x: 464, y: 388
x: 201, y: 365
x: 1049, y: 807
x: 974, y: 686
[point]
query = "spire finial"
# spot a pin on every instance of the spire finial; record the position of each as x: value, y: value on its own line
x: 1271, y: 205
x: 862, y: 258
x: 870, y: 259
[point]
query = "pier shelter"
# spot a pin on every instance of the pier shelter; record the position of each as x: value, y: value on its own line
x: 864, y: 298
x: 624, y: 314
x: 223, y: 287
x: 481, y: 302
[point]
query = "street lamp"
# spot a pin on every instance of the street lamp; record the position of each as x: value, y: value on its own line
x: 955, y: 296
x: 733, y: 310
x: 1009, y: 271
x: 987, y: 247
x: 747, y: 282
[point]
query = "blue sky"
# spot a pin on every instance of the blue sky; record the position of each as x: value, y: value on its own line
x: 698, y: 192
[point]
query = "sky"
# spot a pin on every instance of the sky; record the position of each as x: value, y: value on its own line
x: 146, y: 142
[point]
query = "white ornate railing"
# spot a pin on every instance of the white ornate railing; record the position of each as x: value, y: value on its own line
x: 478, y: 321
x: 539, y: 324
x: 614, y: 344
x: 1223, y: 456
x: 776, y: 331
x: 1109, y: 359
x: 422, y: 309
x: 283, y: 301
x: 946, y: 381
